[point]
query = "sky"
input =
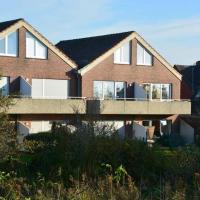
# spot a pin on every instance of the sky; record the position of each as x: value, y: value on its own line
x: 172, y: 27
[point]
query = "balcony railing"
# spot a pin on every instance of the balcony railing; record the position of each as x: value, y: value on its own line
x: 83, y: 105
x: 137, y: 106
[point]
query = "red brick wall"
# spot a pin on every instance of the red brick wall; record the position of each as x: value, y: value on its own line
x: 106, y: 70
x: 53, y: 68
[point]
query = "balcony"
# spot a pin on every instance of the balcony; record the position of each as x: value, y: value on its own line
x: 96, y: 107
x: 138, y: 107
x: 48, y: 106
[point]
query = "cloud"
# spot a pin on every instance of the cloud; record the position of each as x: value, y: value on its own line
x: 177, y: 40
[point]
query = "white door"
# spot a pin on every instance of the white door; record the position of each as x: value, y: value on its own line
x: 50, y: 88
x: 4, y: 86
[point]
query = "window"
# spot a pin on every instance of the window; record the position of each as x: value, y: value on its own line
x: 109, y: 89
x: 166, y: 91
x: 4, y: 86
x: 143, y: 57
x: 9, y: 44
x: 157, y: 91
x: 122, y: 55
x: 34, y: 48
x: 119, y: 89
x: 98, y: 89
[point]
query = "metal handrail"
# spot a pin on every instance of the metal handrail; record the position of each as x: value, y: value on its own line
x: 100, y: 99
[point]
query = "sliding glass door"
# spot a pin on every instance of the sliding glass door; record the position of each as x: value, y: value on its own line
x: 157, y: 91
x: 109, y: 89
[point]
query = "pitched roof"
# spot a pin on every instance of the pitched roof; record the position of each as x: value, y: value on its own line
x: 190, y: 73
x: 85, y: 50
x: 7, y: 24
x: 88, y: 52
x: 13, y: 25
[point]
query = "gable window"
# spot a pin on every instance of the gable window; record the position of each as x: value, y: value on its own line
x: 122, y: 55
x: 157, y: 91
x: 109, y: 89
x: 9, y: 44
x: 34, y: 48
x: 143, y: 56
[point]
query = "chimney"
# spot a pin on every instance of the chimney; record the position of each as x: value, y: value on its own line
x: 198, y: 63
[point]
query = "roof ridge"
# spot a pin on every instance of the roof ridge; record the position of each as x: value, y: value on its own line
x: 82, y: 38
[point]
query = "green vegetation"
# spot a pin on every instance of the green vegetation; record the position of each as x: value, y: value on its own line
x: 84, y: 165
x: 93, y: 163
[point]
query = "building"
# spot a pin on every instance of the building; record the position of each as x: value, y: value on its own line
x: 116, y: 78
x: 190, y: 89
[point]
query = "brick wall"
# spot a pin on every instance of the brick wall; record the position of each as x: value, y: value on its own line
x: 132, y: 73
x: 52, y: 68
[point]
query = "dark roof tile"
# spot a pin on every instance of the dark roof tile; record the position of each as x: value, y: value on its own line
x: 7, y: 24
x: 85, y: 50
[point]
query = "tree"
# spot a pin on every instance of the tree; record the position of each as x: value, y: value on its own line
x: 8, y: 139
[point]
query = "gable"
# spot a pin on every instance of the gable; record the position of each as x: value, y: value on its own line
x: 85, y: 50
x: 132, y: 36
x: 10, y: 27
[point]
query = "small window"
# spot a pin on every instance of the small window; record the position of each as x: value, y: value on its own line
x: 9, y: 44
x: 34, y: 48
x: 143, y: 56
x: 12, y: 44
x: 122, y: 55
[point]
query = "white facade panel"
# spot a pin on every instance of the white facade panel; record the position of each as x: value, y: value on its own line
x: 40, y: 126
x: 37, y: 88
x: 50, y: 88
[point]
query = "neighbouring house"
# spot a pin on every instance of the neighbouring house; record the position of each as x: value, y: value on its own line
x: 190, y: 89
x: 117, y: 78
x: 33, y: 68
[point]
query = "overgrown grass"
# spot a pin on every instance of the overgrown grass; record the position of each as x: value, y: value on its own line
x: 86, y: 165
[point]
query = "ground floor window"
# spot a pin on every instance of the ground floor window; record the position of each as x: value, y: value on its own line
x: 157, y: 91
x: 109, y: 89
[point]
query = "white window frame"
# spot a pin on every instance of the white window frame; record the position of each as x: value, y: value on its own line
x: 121, y: 52
x: 35, y: 40
x: 161, y: 99
x: 144, y: 56
x: 6, y: 45
x: 115, y: 92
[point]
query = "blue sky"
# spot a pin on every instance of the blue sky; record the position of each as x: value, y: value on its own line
x: 172, y: 27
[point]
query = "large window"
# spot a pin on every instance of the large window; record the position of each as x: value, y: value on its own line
x: 109, y: 89
x: 143, y: 56
x: 157, y: 91
x: 34, y: 48
x: 9, y: 44
x: 123, y: 55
